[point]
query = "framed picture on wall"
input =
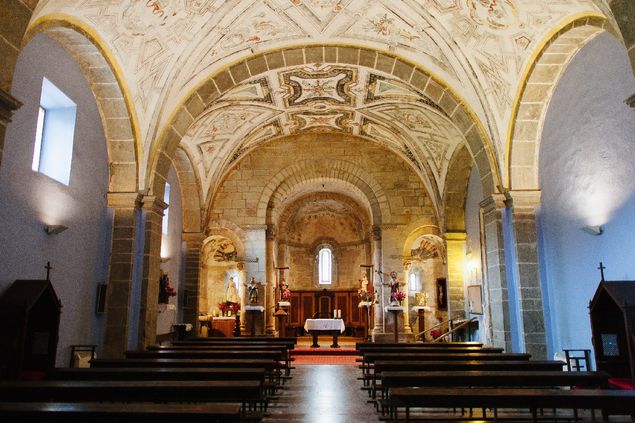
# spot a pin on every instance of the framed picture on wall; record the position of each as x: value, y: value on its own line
x: 475, y: 299
x: 442, y: 294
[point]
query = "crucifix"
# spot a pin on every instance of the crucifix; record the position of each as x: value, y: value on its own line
x: 48, y: 270
x: 601, y: 269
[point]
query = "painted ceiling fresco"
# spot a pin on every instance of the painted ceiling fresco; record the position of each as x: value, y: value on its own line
x: 165, y: 48
x: 325, y: 99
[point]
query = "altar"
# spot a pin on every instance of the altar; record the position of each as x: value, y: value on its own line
x: 327, y: 326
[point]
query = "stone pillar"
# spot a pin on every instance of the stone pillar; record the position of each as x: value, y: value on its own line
x: 270, y: 277
x: 378, y: 326
x: 192, y: 283
x: 153, y: 209
x: 496, y: 281
x: 455, y: 247
x: 120, y: 276
x: 532, y: 320
x: 243, y: 296
x: 406, y: 301
x: 8, y: 105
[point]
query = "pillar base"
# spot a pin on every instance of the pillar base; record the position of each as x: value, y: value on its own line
x: 383, y: 338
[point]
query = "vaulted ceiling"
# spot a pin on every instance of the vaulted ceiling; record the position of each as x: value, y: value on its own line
x: 163, y: 50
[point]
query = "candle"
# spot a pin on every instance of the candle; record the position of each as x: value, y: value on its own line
x: 339, y: 314
x: 334, y: 314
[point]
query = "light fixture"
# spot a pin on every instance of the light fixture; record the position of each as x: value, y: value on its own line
x: 593, y: 229
x: 54, y: 229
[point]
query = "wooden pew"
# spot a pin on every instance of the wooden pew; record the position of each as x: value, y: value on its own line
x: 247, y: 392
x: 279, y: 356
x: 439, y: 349
x: 103, y: 412
x: 534, y: 399
x: 163, y: 373
x: 380, y: 366
x: 499, y: 378
x: 360, y: 345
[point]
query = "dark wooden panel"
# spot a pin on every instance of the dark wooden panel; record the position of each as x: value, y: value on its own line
x: 342, y: 303
x: 308, y: 306
x: 294, y: 310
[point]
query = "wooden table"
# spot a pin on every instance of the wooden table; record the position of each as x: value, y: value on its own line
x: 224, y: 325
x: 251, y: 317
x: 396, y: 311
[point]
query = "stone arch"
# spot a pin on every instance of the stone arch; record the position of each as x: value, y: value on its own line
x: 430, y: 233
x: 111, y: 94
x: 479, y: 144
x: 292, y: 208
x: 190, y: 192
x: 455, y: 193
x: 282, y: 185
x: 535, y: 94
x: 228, y: 230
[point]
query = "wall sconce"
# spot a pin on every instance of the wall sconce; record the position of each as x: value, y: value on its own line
x: 54, y: 229
x: 593, y: 230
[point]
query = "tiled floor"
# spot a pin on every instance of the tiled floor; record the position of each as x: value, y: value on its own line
x: 322, y: 394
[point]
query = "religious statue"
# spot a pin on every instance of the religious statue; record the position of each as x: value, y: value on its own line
x: 231, y: 293
x: 363, y: 290
x: 252, y: 290
x: 395, y: 294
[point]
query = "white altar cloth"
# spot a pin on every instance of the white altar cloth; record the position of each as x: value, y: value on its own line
x: 324, y: 324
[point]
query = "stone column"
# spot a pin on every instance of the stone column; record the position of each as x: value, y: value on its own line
x: 496, y: 281
x: 191, y: 286
x: 378, y: 327
x: 120, y: 276
x: 270, y: 277
x: 455, y: 247
x: 153, y: 209
x: 406, y: 301
x: 532, y: 320
x: 8, y: 105
x: 243, y: 296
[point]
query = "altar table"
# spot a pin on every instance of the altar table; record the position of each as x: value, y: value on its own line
x: 329, y: 326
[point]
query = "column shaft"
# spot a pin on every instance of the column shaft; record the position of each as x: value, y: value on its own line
x: 527, y: 270
x: 455, y: 246
x: 492, y: 209
x: 191, y: 287
x: 120, y: 276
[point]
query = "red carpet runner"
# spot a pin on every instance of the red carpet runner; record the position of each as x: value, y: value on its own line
x: 323, y: 355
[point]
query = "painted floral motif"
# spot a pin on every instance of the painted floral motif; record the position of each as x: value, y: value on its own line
x: 385, y: 25
x: 497, y: 14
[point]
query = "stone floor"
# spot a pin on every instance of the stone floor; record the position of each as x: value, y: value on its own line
x: 322, y: 394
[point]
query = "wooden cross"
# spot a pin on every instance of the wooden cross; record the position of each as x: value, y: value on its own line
x: 48, y: 270
x: 601, y: 268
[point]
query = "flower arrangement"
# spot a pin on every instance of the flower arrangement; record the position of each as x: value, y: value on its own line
x: 165, y: 290
x: 226, y: 306
x: 286, y: 293
x: 400, y: 295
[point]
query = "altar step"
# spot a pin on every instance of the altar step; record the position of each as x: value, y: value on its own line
x: 323, y: 351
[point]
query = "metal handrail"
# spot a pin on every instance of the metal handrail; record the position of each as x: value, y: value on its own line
x: 433, y: 327
x: 460, y: 326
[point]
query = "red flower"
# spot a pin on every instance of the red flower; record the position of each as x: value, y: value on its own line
x: 286, y: 294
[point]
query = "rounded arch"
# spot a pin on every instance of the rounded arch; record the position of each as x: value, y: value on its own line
x: 204, y: 95
x: 228, y: 230
x: 190, y: 192
x: 455, y: 193
x: 296, y: 203
x: 283, y: 184
x: 429, y: 234
x: 111, y: 93
x: 535, y: 93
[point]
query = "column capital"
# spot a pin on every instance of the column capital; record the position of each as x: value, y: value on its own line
x: 455, y: 236
x: 193, y: 237
x: 8, y: 105
x: 376, y: 232
x: 493, y: 202
x: 271, y: 232
x: 630, y: 101
x: 153, y: 203
x: 124, y: 200
x: 524, y: 199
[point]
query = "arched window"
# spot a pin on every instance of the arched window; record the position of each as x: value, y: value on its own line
x: 412, y: 282
x: 325, y: 265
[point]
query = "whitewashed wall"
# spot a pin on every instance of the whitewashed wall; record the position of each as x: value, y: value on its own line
x: 30, y: 200
x: 587, y: 177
